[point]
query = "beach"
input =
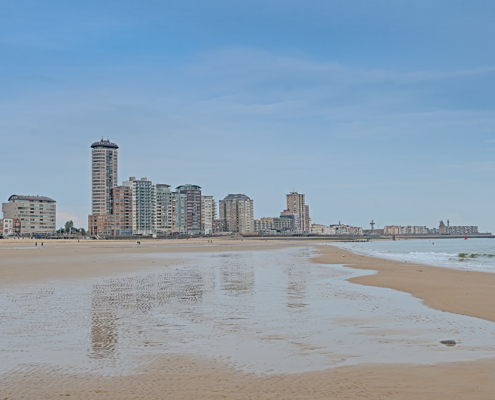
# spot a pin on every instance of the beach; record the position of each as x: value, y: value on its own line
x: 137, y: 334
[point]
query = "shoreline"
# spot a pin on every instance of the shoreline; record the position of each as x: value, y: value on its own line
x: 461, y: 292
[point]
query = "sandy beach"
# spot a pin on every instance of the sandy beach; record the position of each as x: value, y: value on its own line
x: 194, y: 376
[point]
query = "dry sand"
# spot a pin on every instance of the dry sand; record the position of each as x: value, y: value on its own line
x: 187, y: 377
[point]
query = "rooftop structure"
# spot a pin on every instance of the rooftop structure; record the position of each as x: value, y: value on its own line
x: 16, y: 197
x: 104, y: 144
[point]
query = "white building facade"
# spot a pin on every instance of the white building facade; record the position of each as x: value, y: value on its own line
x: 143, y: 206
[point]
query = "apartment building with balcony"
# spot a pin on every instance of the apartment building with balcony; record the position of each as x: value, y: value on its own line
x: 165, y: 209
x: 237, y: 212
x: 188, y: 210
x: 296, y: 203
x: 208, y: 214
x: 120, y: 222
x: 143, y: 206
x: 36, y: 214
x: 104, y: 177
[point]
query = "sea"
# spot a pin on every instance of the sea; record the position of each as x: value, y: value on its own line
x: 465, y: 254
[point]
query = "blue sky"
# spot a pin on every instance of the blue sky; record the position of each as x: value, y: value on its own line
x: 374, y: 109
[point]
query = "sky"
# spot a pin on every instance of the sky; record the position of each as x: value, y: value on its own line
x: 375, y: 109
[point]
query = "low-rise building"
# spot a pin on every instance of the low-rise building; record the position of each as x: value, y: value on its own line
x: 317, y: 229
x: 273, y: 225
x: 219, y: 226
x: 37, y: 214
x: 10, y: 227
x: 294, y: 219
x: 457, y: 230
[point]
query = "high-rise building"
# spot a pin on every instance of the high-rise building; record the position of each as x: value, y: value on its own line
x: 165, y: 209
x: 237, y: 212
x: 188, y: 210
x: 103, y: 176
x: 143, y: 206
x: 120, y: 222
x: 122, y: 210
x: 296, y: 204
x: 37, y: 214
x: 208, y: 214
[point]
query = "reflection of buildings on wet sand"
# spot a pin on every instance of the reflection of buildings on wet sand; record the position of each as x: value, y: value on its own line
x: 297, y: 285
x: 236, y: 278
x: 122, y: 299
x: 103, y: 327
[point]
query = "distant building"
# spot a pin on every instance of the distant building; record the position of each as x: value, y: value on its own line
x: 347, y: 230
x: 219, y: 226
x: 457, y: 230
x: 293, y: 217
x: 318, y: 229
x: 391, y: 230
x: 104, y: 165
x: 188, y: 209
x: 373, y: 232
x: 122, y: 210
x: 237, y: 212
x: 143, y: 206
x: 165, y: 209
x: 37, y: 214
x: 10, y: 227
x: 120, y: 222
x: 296, y: 204
x: 272, y: 225
x: 208, y: 214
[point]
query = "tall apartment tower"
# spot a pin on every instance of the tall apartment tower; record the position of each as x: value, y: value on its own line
x: 143, y: 206
x: 165, y: 209
x: 237, y: 212
x: 104, y: 176
x: 208, y: 214
x: 296, y: 204
x: 188, y: 210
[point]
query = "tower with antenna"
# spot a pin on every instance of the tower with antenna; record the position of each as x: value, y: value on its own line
x: 372, y: 223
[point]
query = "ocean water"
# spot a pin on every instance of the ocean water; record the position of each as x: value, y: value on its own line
x: 470, y: 254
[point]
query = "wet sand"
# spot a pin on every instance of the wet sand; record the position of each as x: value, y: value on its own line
x: 462, y: 292
x: 196, y: 377
x: 22, y: 263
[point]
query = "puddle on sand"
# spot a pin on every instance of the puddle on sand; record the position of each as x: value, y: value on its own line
x: 264, y: 312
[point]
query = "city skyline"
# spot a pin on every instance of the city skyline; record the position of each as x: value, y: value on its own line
x: 114, y: 178
x: 373, y: 111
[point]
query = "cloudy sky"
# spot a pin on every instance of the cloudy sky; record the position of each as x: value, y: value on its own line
x: 378, y: 109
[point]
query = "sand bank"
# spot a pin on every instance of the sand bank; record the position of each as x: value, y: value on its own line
x: 462, y: 292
